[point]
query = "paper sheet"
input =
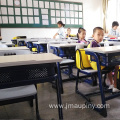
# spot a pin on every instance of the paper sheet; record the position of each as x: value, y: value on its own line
x: 67, y: 21
x: 36, y: 11
x: 62, y: 13
x: 44, y: 11
x: 67, y: 14
x: 31, y: 20
x: 23, y: 3
x: 71, y: 14
x: 4, y: 10
x: 71, y: 6
x: 37, y: 20
x: 17, y: 3
x: 52, y: 12
x: 24, y: 11
x: 35, y: 3
x: 67, y: 6
x: 5, y: 19
x: 80, y: 14
x: 3, y: 2
x: 80, y: 21
x: 30, y: 11
x: 10, y: 11
x: 62, y: 6
x: 72, y: 21
x: 57, y: 13
x: 41, y: 4
x: 63, y: 20
x: 80, y: 7
x: 11, y: 20
x: 57, y: 5
x: 0, y: 20
x: 18, y: 20
x: 76, y: 7
x: 76, y: 21
x: 29, y: 2
x: 57, y: 19
x: 45, y: 22
x: 46, y: 4
x: 53, y: 21
x: 25, y: 20
x: 45, y: 17
x: 10, y: 2
x: 76, y: 14
x: 52, y: 5
x: 17, y: 11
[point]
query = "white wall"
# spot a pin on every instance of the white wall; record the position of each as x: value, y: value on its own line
x: 92, y: 17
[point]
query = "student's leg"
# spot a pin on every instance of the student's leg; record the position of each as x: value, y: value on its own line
x: 115, y: 76
x: 110, y: 78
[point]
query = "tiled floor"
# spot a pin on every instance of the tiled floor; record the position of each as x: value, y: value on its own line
x: 47, y: 95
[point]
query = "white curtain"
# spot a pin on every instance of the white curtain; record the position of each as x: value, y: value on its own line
x: 105, y: 8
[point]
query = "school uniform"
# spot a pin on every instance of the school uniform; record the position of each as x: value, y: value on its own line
x: 61, y: 33
x: 82, y: 41
x: 114, y: 33
x: 93, y: 64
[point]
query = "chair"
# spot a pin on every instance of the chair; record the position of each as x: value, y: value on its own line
x: 84, y: 67
x: 17, y: 94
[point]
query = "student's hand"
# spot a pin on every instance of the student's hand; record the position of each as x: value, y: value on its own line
x: 54, y: 37
x: 0, y: 38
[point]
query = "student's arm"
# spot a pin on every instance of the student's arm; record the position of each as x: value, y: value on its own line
x: 111, y: 36
x: 0, y: 38
x: 55, y: 35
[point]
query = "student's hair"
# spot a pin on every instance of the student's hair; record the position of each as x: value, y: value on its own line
x: 69, y: 29
x: 115, y: 23
x: 60, y: 22
x: 97, y: 28
x: 79, y: 31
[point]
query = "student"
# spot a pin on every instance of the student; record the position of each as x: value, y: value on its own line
x: 113, y: 32
x: 61, y: 31
x: 68, y: 33
x: 81, y: 36
x: 98, y: 35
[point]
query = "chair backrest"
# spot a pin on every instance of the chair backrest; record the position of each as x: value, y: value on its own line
x: 82, y: 61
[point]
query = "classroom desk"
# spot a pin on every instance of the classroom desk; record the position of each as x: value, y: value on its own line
x: 110, y: 57
x: 19, y: 42
x: 65, y: 45
x: 41, y: 46
x: 34, y: 68
x: 10, y: 44
x: 14, y: 48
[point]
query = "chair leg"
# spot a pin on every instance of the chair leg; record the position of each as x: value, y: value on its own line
x: 76, y: 88
x: 31, y: 103
x: 59, y: 101
x: 37, y: 109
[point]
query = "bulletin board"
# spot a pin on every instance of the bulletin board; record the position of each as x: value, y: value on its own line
x: 40, y: 13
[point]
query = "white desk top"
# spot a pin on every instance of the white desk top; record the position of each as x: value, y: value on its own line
x: 9, y: 44
x: 104, y: 50
x: 40, y: 42
x: 14, y: 48
x: 17, y: 60
x: 64, y: 45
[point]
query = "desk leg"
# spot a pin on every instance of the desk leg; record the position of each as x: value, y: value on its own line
x: 59, y: 90
x: 103, y: 111
x: 59, y: 77
x: 38, y: 49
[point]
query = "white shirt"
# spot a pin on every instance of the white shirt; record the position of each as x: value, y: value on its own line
x: 114, y: 33
x: 3, y: 45
x: 61, y: 33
